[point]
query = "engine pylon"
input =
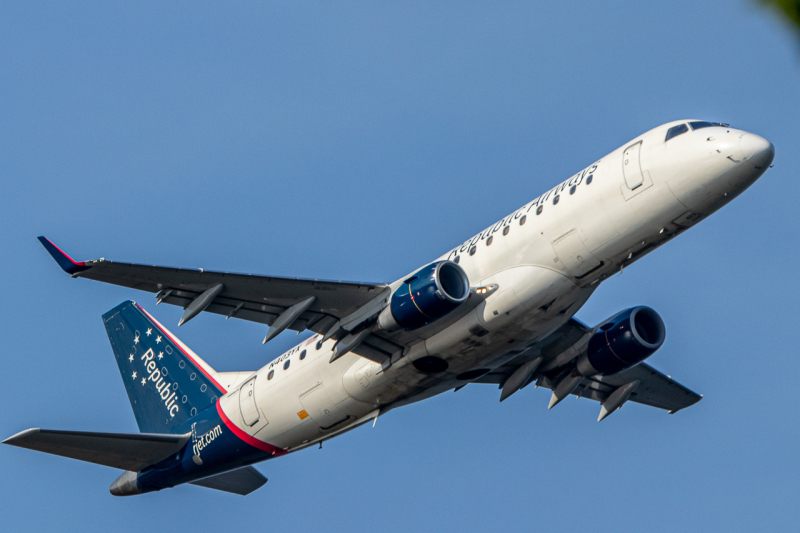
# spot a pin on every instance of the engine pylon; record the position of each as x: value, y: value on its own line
x: 617, y: 399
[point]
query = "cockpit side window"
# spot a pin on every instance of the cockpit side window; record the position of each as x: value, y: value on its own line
x: 701, y: 124
x: 674, y: 131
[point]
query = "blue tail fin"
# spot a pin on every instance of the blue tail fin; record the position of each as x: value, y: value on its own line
x: 166, y: 382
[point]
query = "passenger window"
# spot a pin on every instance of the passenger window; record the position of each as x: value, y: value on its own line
x: 506, y: 230
x: 589, y: 179
x: 286, y: 364
x: 572, y: 190
x: 472, y: 250
x: 674, y: 131
x: 271, y: 374
x: 457, y: 259
x: 539, y: 210
x: 700, y: 124
x: 523, y: 219
x: 489, y: 241
x: 302, y: 355
x: 556, y: 199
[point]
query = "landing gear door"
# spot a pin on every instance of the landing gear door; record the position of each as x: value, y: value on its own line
x: 631, y: 167
x: 247, y: 402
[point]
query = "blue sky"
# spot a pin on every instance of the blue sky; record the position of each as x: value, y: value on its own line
x: 360, y: 140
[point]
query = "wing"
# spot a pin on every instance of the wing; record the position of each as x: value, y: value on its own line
x: 128, y: 451
x: 246, y: 296
x: 641, y: 384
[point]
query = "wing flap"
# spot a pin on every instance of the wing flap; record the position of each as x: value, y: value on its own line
x: 127, y: 451
x: 241, y: 481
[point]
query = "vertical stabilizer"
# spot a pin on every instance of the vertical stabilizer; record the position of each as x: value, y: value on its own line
x: 167, y: 383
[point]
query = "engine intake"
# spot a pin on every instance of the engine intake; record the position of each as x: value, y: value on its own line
x: 426, y: 296
x: 624, y: 341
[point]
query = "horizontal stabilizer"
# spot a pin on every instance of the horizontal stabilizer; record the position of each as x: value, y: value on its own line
x: 242, y: 481
x: 128, y: 451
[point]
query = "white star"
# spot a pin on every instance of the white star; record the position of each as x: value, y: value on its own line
x: 144, y: 381
x: 133, y: 376
x: 158, y: 339
x: 130, y: 358
x: 161, y: 355
x: 136, y: 339
x: 149, y: 331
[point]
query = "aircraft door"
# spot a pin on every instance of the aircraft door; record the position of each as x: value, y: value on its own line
x: 247, y: 402
x: 631, y: 167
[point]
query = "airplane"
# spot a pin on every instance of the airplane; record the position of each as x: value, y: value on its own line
x: 498, y: 309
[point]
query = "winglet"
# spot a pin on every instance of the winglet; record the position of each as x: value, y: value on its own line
x: 67, y: 264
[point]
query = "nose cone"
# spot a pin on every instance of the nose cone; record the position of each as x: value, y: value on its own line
x: 757, y: 150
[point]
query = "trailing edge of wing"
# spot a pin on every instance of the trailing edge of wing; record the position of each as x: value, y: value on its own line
x: 127, y: 451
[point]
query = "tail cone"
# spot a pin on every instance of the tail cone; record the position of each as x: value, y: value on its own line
x: 125, y: 485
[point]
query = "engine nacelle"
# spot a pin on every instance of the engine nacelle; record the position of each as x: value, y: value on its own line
x: 426, y: 296
x: 624, y: 341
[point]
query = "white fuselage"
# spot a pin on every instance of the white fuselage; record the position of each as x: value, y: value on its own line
x: 546, y: 258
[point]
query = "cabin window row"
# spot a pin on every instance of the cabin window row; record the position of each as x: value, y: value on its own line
x: 286, y: 365
x: 506, y: 230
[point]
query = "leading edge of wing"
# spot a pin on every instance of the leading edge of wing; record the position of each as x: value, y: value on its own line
x: 72, y: 267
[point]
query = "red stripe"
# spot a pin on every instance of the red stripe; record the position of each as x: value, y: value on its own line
x: 255, y: 443
x: 178, y: 346
x: 76, y: 263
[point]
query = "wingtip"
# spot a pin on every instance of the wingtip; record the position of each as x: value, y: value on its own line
x: 13, y: 438
x: 67, y: 264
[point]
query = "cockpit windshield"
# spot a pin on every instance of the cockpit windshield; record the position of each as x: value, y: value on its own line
x: 674, y: 131
x: 702, y: 124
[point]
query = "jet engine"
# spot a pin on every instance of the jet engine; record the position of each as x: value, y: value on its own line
x: 624, y: 341
x: 426, y: 296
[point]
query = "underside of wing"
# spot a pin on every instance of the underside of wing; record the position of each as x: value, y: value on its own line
x: 317, y: 304
x: 654, y: 388
x: 550, y: 363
